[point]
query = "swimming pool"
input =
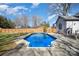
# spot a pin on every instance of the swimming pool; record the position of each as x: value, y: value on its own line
x: 39, y: 40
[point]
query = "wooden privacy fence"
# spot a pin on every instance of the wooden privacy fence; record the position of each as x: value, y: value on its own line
x: 27, y: 30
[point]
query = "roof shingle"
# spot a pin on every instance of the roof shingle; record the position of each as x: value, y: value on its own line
x: 70, y: 18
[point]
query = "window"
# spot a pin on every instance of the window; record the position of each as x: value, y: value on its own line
x: 60, y: 26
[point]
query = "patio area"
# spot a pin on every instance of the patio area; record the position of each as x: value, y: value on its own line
x: 62, y: 46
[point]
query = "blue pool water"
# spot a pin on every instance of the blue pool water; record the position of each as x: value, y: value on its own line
x: 40, y: 40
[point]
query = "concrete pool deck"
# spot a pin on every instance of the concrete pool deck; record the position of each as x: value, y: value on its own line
x: 62, y: 46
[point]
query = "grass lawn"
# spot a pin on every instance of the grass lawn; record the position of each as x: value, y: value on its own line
x: 7, y: 40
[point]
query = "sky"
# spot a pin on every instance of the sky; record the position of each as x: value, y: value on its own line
x: 12, y: 10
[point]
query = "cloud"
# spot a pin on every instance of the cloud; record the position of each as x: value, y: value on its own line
x: 35, y: 5
x: 16, y: 9
x: 12, y: 10
x: 3, y: 7
x: 50, y: 17
x: 20, y: 8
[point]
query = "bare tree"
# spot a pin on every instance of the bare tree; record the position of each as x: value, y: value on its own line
x: 66, y: 8
x: 21, y: 21
x: 59, y: 8
x: 18, y: 22
x: 36, y: 20
x: 25, y: 21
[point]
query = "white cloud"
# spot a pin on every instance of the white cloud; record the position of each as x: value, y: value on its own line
x: 12, y: 10
x: 35, y: 5
x: 50, y: 17
x: 16, y: 9
x: 20, y: 8
x: 3, y: 7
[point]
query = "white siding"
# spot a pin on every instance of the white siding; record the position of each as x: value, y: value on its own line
x: 73, y: 24
x: 68, y: 24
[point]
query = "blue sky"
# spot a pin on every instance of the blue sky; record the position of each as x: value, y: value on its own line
x: 11, y: 10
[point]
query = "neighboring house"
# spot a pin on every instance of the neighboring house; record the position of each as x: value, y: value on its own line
x: 67, y: 25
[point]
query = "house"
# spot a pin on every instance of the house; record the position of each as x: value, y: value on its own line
x: 67, y: 25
